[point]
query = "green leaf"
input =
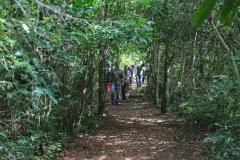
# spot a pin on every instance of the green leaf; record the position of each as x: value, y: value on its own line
x: 78, y: 3
x: 19, y: 54
x: 203, y: 11
x: 36, y: 158
x: 50, y: 95
x: 83, y: 3
x: 22, y: 141
x: 3, y: 135
x: 39, y: 91
x: 228, y: 10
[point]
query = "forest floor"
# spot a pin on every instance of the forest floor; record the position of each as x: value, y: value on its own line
x: 135, y: 131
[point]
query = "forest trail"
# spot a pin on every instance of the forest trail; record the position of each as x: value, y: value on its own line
x: 136, y: 131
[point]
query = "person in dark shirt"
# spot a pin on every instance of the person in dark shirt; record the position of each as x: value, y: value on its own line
x: 116, y: 81
x: 139, y: 76
x: 126, y: 82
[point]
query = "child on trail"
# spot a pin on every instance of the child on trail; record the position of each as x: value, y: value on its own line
x: 108, y: 83
x: 108, y: 91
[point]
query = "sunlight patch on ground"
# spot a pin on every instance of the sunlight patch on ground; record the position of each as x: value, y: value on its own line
x: 135, y: 131
x: 137, y: 158
x: 120, y: 151
x: 102, y: 158
x: 99, y: 138
x: 121, y: 142
x: 117, y: 142
x: 149, y: 120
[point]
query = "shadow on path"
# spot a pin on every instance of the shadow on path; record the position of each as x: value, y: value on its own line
x: 135, y: 131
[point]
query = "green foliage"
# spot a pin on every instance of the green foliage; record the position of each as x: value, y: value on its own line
x: 227, y: 11
x: 199, y: 115
x: 191, y: 63
x: 26, y: 78
x: 203, y: 11
x: 218, y: 105
x: 32, y: 144
x: 50, y: 54
x: 219, y: 110
x: 83, y: 3
x: 89, y: 121
x: 225, y: 143
x: 3, y: 135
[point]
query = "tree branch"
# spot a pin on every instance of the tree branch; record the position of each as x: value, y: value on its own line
x: 58, y: 11
x: 235, y: 67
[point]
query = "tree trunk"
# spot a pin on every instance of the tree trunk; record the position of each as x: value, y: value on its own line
x: 101, y: 91
x: 157, y: 73
x: 101, y: 71
x: 181, y: 85
x: 101, y: 82
x: 164, y: 104
x: 168, y: 84
x: 193, y: 66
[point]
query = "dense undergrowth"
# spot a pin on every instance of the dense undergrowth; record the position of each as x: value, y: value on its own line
x: 53, y: 56
x: 218, y: 112
x: 199, y: 76
x: 38, y: 116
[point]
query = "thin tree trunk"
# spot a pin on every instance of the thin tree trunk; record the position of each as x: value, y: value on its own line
x: 168, y: 85
x: 101, y: 82
x: 157, y: 70
x: 165, y: 81
x: 193, y: 66
x: 101, y: 103
x: 101, y: 71
x: 182, y: 76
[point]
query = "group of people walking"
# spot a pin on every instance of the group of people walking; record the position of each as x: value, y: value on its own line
x: 118, y: 82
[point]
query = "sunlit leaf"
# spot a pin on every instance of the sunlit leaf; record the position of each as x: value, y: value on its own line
x: 19, y: 53
x: 83, y: 3
x: 26, y: 28
x: 50, y: 95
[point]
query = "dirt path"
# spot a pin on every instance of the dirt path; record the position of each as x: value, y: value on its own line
x: 135, y: 131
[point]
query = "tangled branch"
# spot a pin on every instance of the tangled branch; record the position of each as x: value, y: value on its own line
x: 61, y: 13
